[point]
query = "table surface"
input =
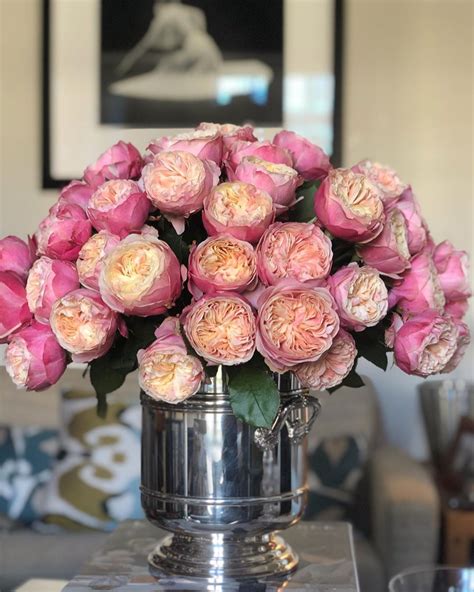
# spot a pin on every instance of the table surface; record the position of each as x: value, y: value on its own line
x: 326, y: 551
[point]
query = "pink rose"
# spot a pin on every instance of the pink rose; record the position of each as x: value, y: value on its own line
x: 463, y: 341
x: 206, y: 145
x: 332, y: 367
x: 77, y: 193
x: 229, y: 132
x: 166, y: 372
x: 349, y: 206
x: 17, y: 256
x: 360, y: 295
x: 311, y: 162
x: 120, y: 161
x: 396, y: 323
x: 263, y: 150
x: 295, y: 324
x: 63, y: 232
x: 452, y: 268
x: 34, y: 359
x: 416, y: 226
x: 239, y: 209
x: 457, y: 308
x: 91, y: 258
x: 14, y: 311
x: 384, y: 178
x: 296, y: 250
x: 141, y: 276
x: 221, y: 328
x: 49, y: 279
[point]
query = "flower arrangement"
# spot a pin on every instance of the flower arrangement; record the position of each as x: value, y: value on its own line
x: 214, y: 248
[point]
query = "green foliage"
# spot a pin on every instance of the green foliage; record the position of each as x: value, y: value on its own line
x: 370, y: 345
x: 303, y: 211
x: 177, y: 243
x: 352, y: 380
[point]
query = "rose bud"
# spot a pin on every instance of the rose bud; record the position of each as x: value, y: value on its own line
x: 239, y: 209
x: 309, y: 160
x: 221, y: 263
x: 416, y: 226
x: 118, y: 206
x: 14, y: 311
x: 120, y: 161
x: 206, y: 145
x: 166, y: 372
x: 295, y: 324
x: 425, y: 343
x: 17, y: 256
x: 49, y: 279
x: 34, y: 359
x: 463, y: 341
x: 295, y: 250
x: 229, y: 132
x: 332, y: 367
x: 83, y: 325
x: 91, y: 257
x: 140, y: 277
x: 63, y: 232
x: 77, y: 193
x: 452, y: 267
x: 177, y: 182
x: 457, y: 308
x: 383, y: 178
x: 349, y: 206
x: 360, y: 295
x: 264, y: 150
x: 388, y: 252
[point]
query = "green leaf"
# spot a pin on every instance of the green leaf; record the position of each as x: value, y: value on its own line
x: 141, y: 333
x: 104, y: 379
x: 177, y: 243
x: 352, y: 380
x: 303, y: 211
x: 371, y: 346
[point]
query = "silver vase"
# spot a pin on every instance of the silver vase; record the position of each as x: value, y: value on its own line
x: 223, y: 487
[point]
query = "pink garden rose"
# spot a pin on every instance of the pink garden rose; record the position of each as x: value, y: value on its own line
x: 14, y: 311
x: 229, y: 132
x: 63, y: 232
x: 457, y: 308
x: 416, y: 226
x: 452, y: 268
x: 463, y: 341
x: 16, y: 255
x: 118, y: 206
x: 295, y: 250
x: 384, y: 178
x: 349, y: 206
x: 77, y: 193
x: 360, y: 295
x: 120, y: 161
x: 166, y: 372
x: 34, y: 359
x: 309, y: 160
x: 205, y: 144
x: 263, y: 150
x: 49, y: 279
x: 91, y: 258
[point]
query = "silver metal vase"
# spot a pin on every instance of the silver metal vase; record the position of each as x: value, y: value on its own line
x: 223, y: 487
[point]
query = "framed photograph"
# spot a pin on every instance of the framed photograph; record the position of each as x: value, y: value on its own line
x: 140, y: 69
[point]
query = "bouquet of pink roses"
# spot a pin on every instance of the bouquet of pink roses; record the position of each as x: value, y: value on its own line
x: 214, y: 248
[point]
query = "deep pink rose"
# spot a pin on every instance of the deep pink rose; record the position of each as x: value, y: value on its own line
x: 264, y: 150
x: 349, y: 206
x: 416, y: 226
x: 77, y: 192
x: 34, y: 359
x: 229, y: 132
x: 16, y: 255
x: 452, y: 267
x: 91, y: 258
x: 309, y: 160
x: 206, y: 145
x: 457, y: 308
x: 14, y: 311
x: 463, y: 341
x: 120, y: 161
x: 384, y: 178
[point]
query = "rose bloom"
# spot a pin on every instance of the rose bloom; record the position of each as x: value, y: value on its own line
x: 349, y: 206
x: 140, y: 277
x: 77, y: 193
x: 49, y: 279
x: 425, y: 343
x: 388, y: 252
x: 91, y: 257
x: 264, y: 150
x: 16, y: 255
x: 296, y: 324
x: 278, y: 180
x: 239, y: 209
x: 229, y: 132
x: 83, y: 324
x: 14, y: 311
x: 332, y: 367
x: 360, y: 295
x: 463, y: 341
x: 295, y: 250
x: 384, y: 178
x: 309, y: 160
x: 120, y: 161
x: 34, y: 359
x: 416, y: 226
x: 205, y: 144
x: 63, y: 232
x: 166, y: 372
x: 221, y: 328
x: 118, y: 206
x: 452, y: 268
x: 221, y: 263
x: 457, y: 308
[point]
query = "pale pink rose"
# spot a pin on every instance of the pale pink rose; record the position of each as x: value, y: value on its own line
x: 396, y: 323
x: 452, y: 267
x: 77, y: 192
x: 140, y: 277
x: 425, y: 343
x: 416, y: 226
x: 166, y: 372
x: 264, y: 150
x: 463, y: 342
x: 239, y: 209
x: 388, y: 252
x: 229, y: 132
x: 14, y: 311
x: 384, y: 178
x: 16, y: 255
x: 308, y: 159
x: 349, y: 206
x: 48, y: 280
x: 221, y: 263
x: 295, y: 250
x: 457, y: 308
x: 83, y: 324
x: 206, y: 145
x: 120, y: 161
x: 296, y: 324
x: 63, y: 232
x: 332, y: 367
x: 34, y: 359
x: 118, y: 206
x: 91, y: 258
x: 361, y: 296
